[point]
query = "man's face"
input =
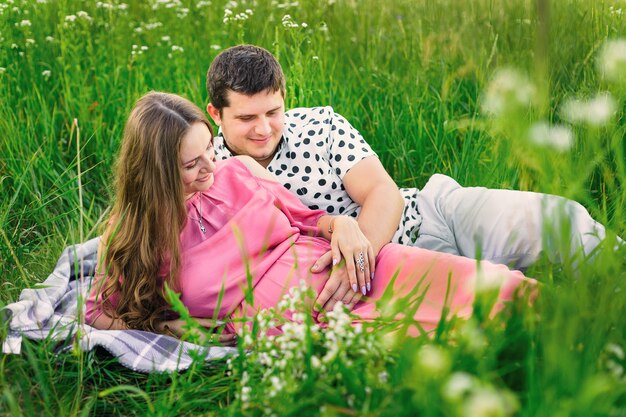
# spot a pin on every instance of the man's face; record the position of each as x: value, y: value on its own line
x: 252, y: 125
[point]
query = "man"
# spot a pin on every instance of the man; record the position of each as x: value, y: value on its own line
x: 321, y: 158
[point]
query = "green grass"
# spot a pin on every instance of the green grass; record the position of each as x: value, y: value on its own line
x: 410, y: 76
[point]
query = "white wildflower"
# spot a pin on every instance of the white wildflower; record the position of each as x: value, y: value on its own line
x: 316, y: 363
x: 283, y: 304
x: 216, y: 47
x: 508, y: 90
x: 245, y: 394
x: 432, y: 360
x: 616, y: 350
x: 304, y: 25
x: 277, y: 384
x: 287, y: 5
x: 558, y: 137
x: 315, y: 58
x: 203, y: 3
x: 144, y: 48
x: 83, y: 15
x: 14, y: 46
x: 613, y: 358
x: 487, y: 402
x: 49, y: 39
x: 30, y: 41
x: 472, y: 336
x: 245, y: 378
x: 166, y: 38
x: 615, y: 369
x: 46, y: 74
x: 70, y: 18
x: 458, y: 385
x: 152, y: 26
x: 288, y: 22
x: 2, y: 70
x: 595, y: 112
x: 612, y: 60
x: 176, y: 48
x: 25, y: 23
x: 383, y: 377
x: 265, y: 359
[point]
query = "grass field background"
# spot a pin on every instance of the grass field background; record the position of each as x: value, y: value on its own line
x: 460, y: 88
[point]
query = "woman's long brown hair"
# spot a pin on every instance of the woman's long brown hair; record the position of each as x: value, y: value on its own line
x: 149, y: 210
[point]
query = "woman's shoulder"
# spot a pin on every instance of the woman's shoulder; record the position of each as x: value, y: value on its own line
x: 231, y: 166
x: 233, y: 172
x: 254, y: 167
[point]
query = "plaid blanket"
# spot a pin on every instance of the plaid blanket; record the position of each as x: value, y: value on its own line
x: 50, y: 311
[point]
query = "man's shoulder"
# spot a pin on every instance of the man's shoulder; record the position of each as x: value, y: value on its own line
x: 312, y: 121
x: 306, y: 114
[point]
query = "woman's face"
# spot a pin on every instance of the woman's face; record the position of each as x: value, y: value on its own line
x: 197, y: 159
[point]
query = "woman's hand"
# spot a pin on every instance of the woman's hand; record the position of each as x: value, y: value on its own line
x: 349, y: 242
x: 179, y: 328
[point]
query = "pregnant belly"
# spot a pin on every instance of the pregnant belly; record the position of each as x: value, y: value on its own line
x: 293, y: 267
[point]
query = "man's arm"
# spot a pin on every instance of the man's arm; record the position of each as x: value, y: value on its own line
x: 369, y: 185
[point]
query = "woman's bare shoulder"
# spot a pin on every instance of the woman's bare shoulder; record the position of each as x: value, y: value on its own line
x: 255, y: 168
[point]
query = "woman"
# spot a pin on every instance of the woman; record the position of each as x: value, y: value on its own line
x: 210, y: 231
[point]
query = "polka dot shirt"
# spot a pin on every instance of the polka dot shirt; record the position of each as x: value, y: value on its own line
x: 317, y: 149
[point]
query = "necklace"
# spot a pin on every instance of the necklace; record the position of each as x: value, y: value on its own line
x: 199, y: 219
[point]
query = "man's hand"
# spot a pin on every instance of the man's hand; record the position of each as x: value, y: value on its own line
x: 337, y: 288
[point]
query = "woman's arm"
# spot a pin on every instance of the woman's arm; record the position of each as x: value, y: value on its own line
x: 104, y: 322
x: 95, y: 314
x: 181, y: 329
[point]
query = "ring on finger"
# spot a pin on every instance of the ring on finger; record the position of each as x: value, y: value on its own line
x: 361, y: 262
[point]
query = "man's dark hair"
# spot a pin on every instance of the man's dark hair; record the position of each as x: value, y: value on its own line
x: 245, y: 69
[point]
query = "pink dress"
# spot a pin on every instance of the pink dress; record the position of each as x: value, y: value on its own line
x: 259, y: 234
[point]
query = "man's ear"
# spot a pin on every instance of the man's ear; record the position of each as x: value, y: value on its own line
x: 214, y: 113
